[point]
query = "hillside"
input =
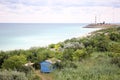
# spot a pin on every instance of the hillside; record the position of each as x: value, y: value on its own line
x: 95, y: 57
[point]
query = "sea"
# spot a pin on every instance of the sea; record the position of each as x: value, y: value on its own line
x: 26, y: 35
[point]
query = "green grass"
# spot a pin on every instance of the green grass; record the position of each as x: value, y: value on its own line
x: 97, y: 67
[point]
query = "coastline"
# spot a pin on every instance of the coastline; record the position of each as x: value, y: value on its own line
x: 90, y: 33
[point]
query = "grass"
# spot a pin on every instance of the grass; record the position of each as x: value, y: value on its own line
x: 97, y: 67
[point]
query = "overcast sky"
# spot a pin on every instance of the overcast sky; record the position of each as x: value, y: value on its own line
x: 59, y: 11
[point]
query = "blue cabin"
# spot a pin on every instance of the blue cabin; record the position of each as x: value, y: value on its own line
x: 46, y: 66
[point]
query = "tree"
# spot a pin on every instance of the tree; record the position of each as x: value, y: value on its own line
x: 14, y: 62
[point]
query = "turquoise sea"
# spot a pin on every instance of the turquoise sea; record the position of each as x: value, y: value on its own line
x: 26, y: 35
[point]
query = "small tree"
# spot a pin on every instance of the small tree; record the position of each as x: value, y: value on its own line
x: 14, y: 62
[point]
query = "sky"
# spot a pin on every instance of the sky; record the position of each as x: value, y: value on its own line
x: 59, y: 11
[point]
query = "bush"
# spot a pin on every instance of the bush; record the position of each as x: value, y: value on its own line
x: 114, y: 47
x: 116, y: 60
x: 51, y: 46
x: 26, y: 69
x: 114, y: 36
x: 89, y: 70
x: 65, y: 64
x: 14, y: 62
x: 79, y: 54
x: 67, y: 54
x: 12, y: 75
x: 89, y: 50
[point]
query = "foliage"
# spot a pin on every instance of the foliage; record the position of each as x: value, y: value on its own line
x: 14, y: 62
x: 3, y: 56
x: 33, y: 76
x: 114, y: 47
x: 74, y: 45
x: 79, y: 54
x: 26, y: 69
x: 12, y: 75
x: 95, y: 68
x: 89, y: 50
x: 116, y: 60
x: 115, y: 36
x: 67, y: 54
x: 51, y: 46
x: 65, y: 64
x: 36, y: 77
x: 57, y: 46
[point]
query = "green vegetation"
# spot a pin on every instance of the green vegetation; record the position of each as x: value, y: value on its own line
x: 97, y: 68
x: 95, y: 57
x: 16, y: 75
x: 14, y: 62
x: 12, y: 75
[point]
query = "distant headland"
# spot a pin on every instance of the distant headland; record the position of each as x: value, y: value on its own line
x: 101, y: 25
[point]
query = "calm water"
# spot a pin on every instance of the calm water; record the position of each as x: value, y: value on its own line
x: 26, y: 35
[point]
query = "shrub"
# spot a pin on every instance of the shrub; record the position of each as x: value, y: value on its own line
x: 26, y: 69
x: 116, y: 60
x: 51, y: 46
x: 67, y: 54
x: 89, y: 50
x: 14, y: 62
x: 12, y: 75
x: 114, y: 47
x: 65, y: 64
x: 114, y: 36
x: 79, y: 54
x: 89, y: 70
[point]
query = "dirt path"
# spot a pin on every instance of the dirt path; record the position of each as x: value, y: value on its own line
x: 44, y: 76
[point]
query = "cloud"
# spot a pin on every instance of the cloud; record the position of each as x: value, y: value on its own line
x: 64, y: 3
x: 58, y: 10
